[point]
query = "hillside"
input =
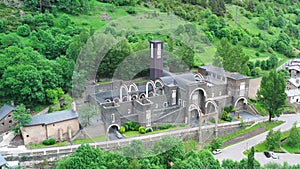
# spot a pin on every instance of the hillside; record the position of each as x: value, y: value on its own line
x: 41, y: 42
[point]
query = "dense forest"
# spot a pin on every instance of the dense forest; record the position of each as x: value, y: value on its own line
x: 41, y: 40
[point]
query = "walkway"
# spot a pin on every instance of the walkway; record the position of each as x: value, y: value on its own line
x: 240, y: 147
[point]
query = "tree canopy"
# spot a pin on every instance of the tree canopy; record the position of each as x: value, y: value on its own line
x: 272, y: 93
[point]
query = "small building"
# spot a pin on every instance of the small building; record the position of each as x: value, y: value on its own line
x: 6, y: 119
x: 293, y: 96
x: 2, y: 162
x: 61, y: 126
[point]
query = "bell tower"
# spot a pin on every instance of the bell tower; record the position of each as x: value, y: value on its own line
x: 156, y: 59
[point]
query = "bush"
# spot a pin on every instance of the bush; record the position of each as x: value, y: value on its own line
x: 224, y: 115
x: 50, y: 141
x: 227, y: 109
x: 148, y: 130
x: 228, y: 118
x: 132, y: 126
x: 122, y: 129
x: 142, y: 130
x: 23, y: 30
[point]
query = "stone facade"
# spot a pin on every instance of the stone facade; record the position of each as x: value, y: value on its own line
x: 61, y: 126
x: 185, y: 98
x: 60, y: 131
x: 6, y: 119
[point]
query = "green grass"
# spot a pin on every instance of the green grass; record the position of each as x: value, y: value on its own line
x: 290, y: 149
x: 262, y: 111
x: 247, y: 130
x: 58, y: 144
x: 90, y: 140
x: 136, y: 133
x: 103, y: 82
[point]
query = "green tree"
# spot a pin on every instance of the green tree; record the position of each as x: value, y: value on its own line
x: 232, y: 57
x: 216, y: 143
x: 273, y: 139
x: 251, y: 159
x: 23, y: 30
x: 294, y: 136
x: 272, y: 93
x: 22, y: 116
x: 86, y: 112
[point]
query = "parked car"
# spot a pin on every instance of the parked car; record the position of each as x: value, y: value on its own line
x: 217, y: 151
x: 267, y: 154
x: 274, y: 156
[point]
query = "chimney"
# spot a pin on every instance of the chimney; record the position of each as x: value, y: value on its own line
x: 156, y: 59
x: 74, y: 106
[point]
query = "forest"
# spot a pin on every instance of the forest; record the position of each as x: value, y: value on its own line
x: 41, y: 41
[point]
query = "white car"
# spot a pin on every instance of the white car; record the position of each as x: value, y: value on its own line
x: 274, y: 156
x: 217, y: 151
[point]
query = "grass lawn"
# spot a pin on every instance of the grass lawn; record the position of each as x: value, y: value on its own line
x: 268, y: 125
x: 90, y: 140
x: 136, y: 133
x: 58, y: 144
x: 290, y: 149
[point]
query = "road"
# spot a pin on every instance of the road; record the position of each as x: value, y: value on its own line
x: 235, y: 152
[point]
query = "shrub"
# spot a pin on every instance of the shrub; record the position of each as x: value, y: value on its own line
x: 46, y: 142
x: 131, y: 11
x: 142, y: 130
x: 228, y: 118
x: 227, y: 109
x: 148, y: 130
x: 52, y: 141
x: 23, y: 30
x: 154, y: 128
x: 122, y: 129
x: 132, y: 126
x: 224, y: 115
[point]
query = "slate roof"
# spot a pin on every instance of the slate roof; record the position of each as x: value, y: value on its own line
x: 237, y: 76
x: 53, y: 117
x: 2, y: 161
x: 182, y: 80
x: 214, y: 69
x: 294, y: 81
x: 5, y: 110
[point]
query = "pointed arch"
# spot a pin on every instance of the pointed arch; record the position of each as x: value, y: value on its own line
x: 213, y: 103
x: 121, y: 91
x: 147, y: 87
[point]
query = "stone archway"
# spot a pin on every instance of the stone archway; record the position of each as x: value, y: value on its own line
x: 147, y: 87
x: 159, y: 87
x: 198, y: 96
x: 121, y: 92
x: 245, y: 102
x: 112, y: 126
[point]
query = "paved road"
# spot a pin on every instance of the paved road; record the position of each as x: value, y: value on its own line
x: 235, y: 152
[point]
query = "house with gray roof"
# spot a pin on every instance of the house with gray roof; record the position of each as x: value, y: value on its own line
x: 6, y: 119
x: 60, y: 125
x: 2, y: 162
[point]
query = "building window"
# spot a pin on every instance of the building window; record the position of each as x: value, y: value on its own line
x: 53, y: 124
x: 148, y: 118
x: 156, y: 106
x: 27, y: 135
x: 128, y: 111
x: 43, y: 125
x: 212, y: 94
x: 165, y: 104
x: 113, y: 118
x: 173, y: 97
x: 151, y: 50
x: 179, y: 102
x: 10, y: 121
x: 2, y: 124
x: 183, y: 103
x: 158, y: 51
x: 9, y: 115
x: 220, y: 93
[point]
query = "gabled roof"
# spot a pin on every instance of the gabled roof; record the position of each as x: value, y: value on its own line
x: 53, y: 117
x: 2, y: 161
x: 295, y: 81
x: 5, y: 110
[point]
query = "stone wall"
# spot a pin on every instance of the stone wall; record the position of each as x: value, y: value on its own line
x: 7, y: 123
